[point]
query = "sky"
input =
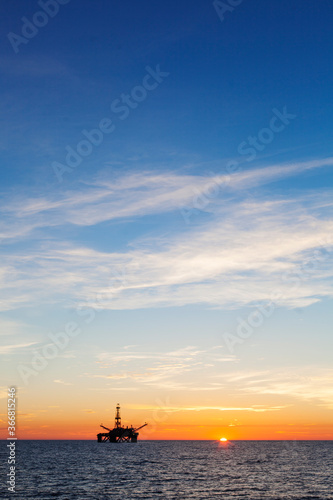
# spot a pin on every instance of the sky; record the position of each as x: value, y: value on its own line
x: 166, y: 218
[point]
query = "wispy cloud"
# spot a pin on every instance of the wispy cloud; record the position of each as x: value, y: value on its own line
x: 169, y: 370
x: 309, y: 383
x: 131, y: 195
x: 193, y: 370
x: 62, y: 382
x: 5, y: 349
x: 251, y: 250
x: 173, y: 409
x: 249, y: 243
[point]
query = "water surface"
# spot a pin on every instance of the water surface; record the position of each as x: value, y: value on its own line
x: 251, y: 470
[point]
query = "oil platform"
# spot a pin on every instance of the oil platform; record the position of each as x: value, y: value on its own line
x: 119, y: 434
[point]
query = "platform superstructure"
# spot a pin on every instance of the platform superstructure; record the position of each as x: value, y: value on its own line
x: 119, y: 434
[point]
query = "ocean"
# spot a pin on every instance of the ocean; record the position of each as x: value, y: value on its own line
x: 150, y: 470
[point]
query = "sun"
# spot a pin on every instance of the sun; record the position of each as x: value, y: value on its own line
x: 223, y: 439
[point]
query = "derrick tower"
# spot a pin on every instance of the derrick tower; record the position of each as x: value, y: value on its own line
x: 117, y: 420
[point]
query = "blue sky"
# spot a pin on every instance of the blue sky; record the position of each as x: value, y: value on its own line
x: 166, y: 230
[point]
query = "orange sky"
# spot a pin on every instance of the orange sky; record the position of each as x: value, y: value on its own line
x: 54, y: 422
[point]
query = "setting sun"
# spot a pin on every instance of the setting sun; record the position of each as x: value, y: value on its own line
x: 223, y: 439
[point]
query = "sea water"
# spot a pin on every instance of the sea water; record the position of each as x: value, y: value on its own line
x: 152, y: 470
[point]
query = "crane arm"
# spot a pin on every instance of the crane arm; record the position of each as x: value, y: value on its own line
x: 105, y: 428
x: 144, y: 425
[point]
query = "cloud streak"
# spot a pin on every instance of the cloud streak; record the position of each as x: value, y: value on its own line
x: 174, y: 409
x: 162, y: 370
x: 249, y: 243
x: 311, y: 384
x: 132, y: 195
x: 6, y: 349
